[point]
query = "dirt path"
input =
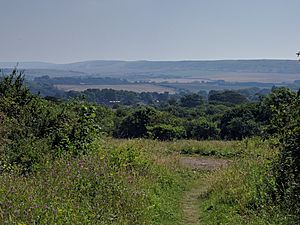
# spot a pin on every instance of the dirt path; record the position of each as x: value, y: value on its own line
x: 190, y: 200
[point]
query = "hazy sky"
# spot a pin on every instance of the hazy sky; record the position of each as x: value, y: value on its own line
x: 74, y: 30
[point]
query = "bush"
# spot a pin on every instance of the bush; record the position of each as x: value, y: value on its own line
x: 135, y: 124
x: 73, y: 132
x: 202, y: 129
x: 28, y: 121
x: 286, y: 121
x: 240, y: 122
x: 166, y: 132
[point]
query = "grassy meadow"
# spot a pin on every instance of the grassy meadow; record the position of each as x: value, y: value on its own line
x: 141, y: 182
x: 120, y: 182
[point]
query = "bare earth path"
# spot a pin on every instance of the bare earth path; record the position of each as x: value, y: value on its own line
x: 190, y: 200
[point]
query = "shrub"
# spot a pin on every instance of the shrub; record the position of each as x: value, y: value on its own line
x: 202, y: 129
x: 240, y: 122
x: 166, y: 132
x: 135, y: 124
x: 29, y: 121
x: 286, y: 121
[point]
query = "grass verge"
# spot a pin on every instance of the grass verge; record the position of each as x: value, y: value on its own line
x: 239, y: 193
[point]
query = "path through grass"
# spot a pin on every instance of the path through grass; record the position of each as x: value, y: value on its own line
x: 200, y: 188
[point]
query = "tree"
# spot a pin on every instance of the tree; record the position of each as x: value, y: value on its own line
x: 285, y: 121
x: 165, y: 132
x: 240, y: 122
x: 227, y: 96
x: 191, y: 100
x: 202, y: 129
x: 135, y: 124
x: 276, y: 104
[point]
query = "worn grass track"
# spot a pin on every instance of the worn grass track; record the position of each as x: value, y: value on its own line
x: 200, y: 188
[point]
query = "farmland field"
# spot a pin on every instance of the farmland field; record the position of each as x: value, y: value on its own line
x: 126, y: 87
x: 193, y: 76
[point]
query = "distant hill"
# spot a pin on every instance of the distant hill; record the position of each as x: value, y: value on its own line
x: 160, y: 69
x: 27, y: 65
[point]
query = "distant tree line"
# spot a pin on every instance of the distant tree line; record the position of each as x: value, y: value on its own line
x: 79, y: 80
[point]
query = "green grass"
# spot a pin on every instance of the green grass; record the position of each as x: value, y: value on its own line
x: 227, y: 149
x: 238, y: 194
x: 141, y: 182
x: 120, y: 182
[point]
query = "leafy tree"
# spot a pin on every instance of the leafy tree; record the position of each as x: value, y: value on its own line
x: 191, y: 100
x: 135, y: 124
x: 14, y: 95
x: 285, y: 120
x: 275, y: 104
x: 202, y: 129
x: 240, y: 122
x: 227, y: 96
x: 34, y: 129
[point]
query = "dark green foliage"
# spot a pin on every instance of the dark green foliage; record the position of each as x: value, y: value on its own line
x: 191, y: 100
x: 33, y: 129
x: 212, y: 109
x: 112, y: 97
x: 202, y: 129
x: 165, y: 132
x: 135, y: 124
x: 240, y: 122
x: 285, y: 109
x: 227, y: 96
x: 275, y: 104
x: 25, y: 155
x: 12, y: 87
x: 3, y: 130
x: 73, y: 132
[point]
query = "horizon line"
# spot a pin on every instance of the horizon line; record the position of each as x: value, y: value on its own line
x: 151, y: 60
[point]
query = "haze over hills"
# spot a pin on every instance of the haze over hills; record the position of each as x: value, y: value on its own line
x: 237, y: 70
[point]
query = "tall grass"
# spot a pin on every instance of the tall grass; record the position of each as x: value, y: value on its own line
x: 239, y: 195
x: 141, y: 182
x: 117, y: 183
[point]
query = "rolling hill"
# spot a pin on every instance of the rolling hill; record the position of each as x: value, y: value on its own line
x: 286, y: 70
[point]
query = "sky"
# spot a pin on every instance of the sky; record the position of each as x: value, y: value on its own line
x: 64, y: 31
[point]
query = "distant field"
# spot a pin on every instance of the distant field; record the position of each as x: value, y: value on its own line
x: 126, y: 87
x: 230, y: 77
x: 256, y: 77
x: 179, y: 80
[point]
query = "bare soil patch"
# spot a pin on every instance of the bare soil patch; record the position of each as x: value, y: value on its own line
x: 203, y: 163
